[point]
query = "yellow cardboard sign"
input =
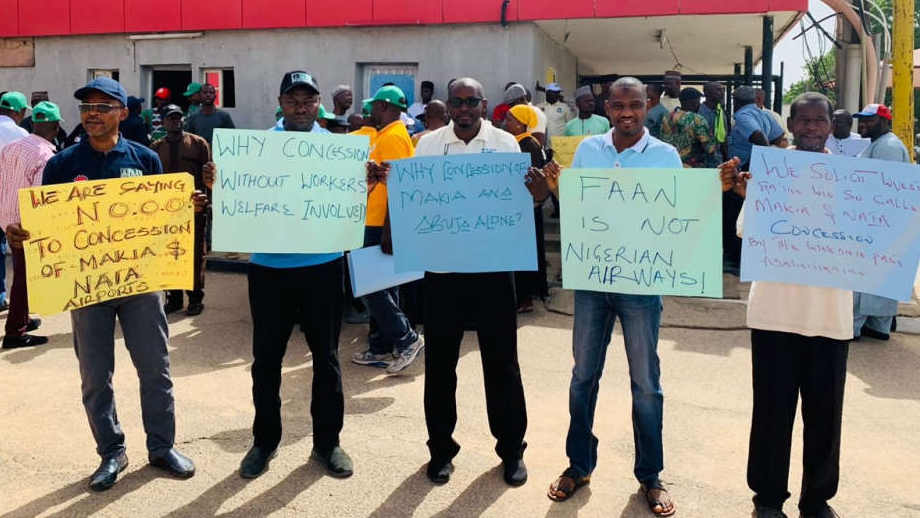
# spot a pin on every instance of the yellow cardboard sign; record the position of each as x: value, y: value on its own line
x: 564, y: 149
x: 100, y: 240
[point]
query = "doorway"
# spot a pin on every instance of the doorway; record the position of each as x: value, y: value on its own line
x: 175, y: 78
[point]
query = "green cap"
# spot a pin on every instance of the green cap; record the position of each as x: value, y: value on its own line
x: 366, y: 108
x: 46, y: 111
x: 193, y: 88
x: 15, y: 101
x: 323, y: 114
x: 390, y: 94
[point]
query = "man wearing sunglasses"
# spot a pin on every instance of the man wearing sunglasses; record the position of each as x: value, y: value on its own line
x: 104, y: 154
x: 486, y: 299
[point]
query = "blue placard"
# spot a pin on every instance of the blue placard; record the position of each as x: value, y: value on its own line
x: 462, y: 213
x: 832, y: 221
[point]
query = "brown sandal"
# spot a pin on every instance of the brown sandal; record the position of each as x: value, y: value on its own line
x: 654, y: 504
x: 566, y: 485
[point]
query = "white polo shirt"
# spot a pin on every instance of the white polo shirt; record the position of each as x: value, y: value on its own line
x: 444, y: 141
x: 10, y: 131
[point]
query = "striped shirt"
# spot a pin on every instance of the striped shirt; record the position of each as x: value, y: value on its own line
x: 21, y: 165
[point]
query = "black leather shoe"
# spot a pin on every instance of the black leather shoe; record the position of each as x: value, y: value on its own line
x: 872, y: 333
x: 194, y: 309
x: 15, y: 342
x: 171, y: 308
x: 108, y: 471
x: 337, y: 462
x: 174, y: 462
x: 439, y: 473
x: 34, y: 323
x: 515, y: 470
x: 825, y: 512
x: 256, y: 461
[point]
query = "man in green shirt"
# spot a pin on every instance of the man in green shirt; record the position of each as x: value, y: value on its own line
x: 587, y: 122
x: 656, y: 111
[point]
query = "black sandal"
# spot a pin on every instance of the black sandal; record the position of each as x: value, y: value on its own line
x: 655, y: 504
x: 566, y: 485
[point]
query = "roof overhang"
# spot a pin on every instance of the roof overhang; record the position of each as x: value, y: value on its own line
x: 692, y: 44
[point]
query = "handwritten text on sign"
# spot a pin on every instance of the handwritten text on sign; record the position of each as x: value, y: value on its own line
x: 462, y: 213
x: 100, y: 240
x: 289, y: 192
x: 642, y: 231
x: 832, y: 221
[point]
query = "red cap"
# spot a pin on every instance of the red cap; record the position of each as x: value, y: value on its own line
x: 163, y: 93
x: 875, y: 109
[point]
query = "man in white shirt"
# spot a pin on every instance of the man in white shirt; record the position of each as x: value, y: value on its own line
x: 843, y: 141
x: 799, y: 344
x: 418, y: 107
x: 485, y: 299
x: 13, y: 106
x: 558, y: 113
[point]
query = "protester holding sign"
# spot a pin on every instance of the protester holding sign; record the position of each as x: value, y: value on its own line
x: 627, y: 145
x: 485, y: 299
x: 872, y: 314
x: 799, y: 345
x: 104, y: 154
x: 288, y: 289
x: 391, y: 341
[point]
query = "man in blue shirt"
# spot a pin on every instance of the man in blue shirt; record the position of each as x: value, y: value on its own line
x: 104, y: 154
x: 752, y: 126
x: 628, y: 144
x: 295, y: 289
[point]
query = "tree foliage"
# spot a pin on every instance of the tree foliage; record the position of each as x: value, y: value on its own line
x: 820, y: 77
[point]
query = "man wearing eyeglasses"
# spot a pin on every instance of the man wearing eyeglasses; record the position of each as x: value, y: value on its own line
x: 104, y: 154
x: 486, y: 299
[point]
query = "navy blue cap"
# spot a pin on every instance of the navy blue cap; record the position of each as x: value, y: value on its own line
x: 135, y: 102
x: 106, y: 86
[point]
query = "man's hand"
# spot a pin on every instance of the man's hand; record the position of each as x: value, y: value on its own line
x: 535, y: 181
x: 15, y: 235
x: 200, y: 200
x: 553, y: 171
x: 209, y: 174
x: 376, y: 174
x: 732, y: 179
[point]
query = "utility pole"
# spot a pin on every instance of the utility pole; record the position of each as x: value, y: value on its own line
x: 902, y: 60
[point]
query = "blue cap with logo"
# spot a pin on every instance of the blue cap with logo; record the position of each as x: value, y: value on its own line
x: 106, y: 86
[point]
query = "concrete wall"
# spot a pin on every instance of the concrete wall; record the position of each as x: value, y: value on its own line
x: 488, y: 52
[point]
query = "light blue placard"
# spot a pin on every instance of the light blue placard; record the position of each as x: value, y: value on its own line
x: 642, y: 231
x: 462, y: 213
x: 372, y: 270
x: 288, y: 191
x: 832, y: 221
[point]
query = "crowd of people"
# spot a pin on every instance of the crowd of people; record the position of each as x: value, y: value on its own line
x: 799, y: 338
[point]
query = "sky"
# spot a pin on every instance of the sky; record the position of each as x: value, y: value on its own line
x: 793, y: 52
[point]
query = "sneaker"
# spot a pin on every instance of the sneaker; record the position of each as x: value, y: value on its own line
x: 34, y: 323
x: 15, y: 342
x: 373, y: 360
x: 337, y: 462
x: 407, y: 356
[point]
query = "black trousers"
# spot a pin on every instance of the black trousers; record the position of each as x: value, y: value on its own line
x: 731, y: 243
x: 487, y: 300
x: 784, y: 366
x: 196, y: 295
x: 279, y: 299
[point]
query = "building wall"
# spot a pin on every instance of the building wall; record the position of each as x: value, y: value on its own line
x: 488, y: 52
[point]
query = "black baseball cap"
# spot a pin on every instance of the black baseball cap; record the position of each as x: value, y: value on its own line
x: 297, y: 78
x: 170, y: 109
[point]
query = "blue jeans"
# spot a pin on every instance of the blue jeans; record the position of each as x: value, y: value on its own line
x: 640, y: 317
x: 391, y: 330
